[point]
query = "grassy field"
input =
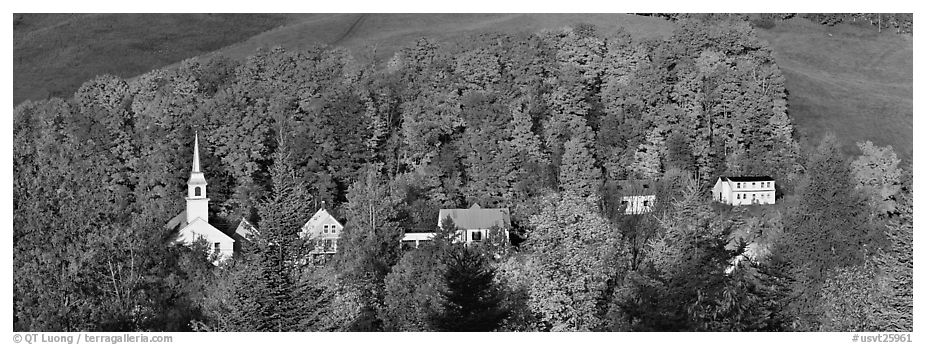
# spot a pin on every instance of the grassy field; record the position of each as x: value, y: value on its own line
x: 848, y: 79
x: 53, y: 54
x: 384, y: 33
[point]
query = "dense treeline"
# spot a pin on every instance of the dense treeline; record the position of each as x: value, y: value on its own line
x: 543, y: 123
x: 901, y: 23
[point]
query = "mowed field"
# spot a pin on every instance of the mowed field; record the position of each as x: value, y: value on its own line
x: 849, y: 79
x: 53, y: 54
x: 383, y: 34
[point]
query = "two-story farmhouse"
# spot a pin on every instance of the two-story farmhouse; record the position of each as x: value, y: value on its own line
x: 637, y: 196
x: 745, y: 190
x: 324, y: 231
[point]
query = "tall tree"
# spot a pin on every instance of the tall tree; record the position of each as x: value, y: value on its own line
x: 573, y: 254
x: 369, y: 243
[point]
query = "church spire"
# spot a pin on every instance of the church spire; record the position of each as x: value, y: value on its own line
x: 196, y: 152
x: 197, y: 204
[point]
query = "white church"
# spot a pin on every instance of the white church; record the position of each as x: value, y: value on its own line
x: 192, y: 225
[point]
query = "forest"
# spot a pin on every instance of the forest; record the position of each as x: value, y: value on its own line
x: 544, y: 123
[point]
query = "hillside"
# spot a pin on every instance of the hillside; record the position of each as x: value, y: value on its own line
x: 849, y: 80
x: 846, y: 79
x: 53, y: 54
x: 387, y: 32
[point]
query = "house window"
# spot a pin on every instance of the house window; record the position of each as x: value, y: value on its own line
x: 737, y: 197
x: 645, y: 186
x: 476, y: 235
x: 738, y: 185
x: 645, y: 203
x: 197, y: 191
x: 215, y: 247
x: 333, y: 229
x: 325, y: 228
x: 624, y: 203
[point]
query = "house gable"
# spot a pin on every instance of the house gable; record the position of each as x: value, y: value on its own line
x: 322, y: 225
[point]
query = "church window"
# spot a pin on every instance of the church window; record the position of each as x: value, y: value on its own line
x: 197, y: 191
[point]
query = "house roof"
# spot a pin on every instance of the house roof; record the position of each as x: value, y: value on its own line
x: 245, y: 230
x: 637, y: 187
x: 314, y: 224
x: 477, y: 217
x: 747, y: 178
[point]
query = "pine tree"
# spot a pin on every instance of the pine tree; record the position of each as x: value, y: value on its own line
x: 472, y: 301
x: 279, y: 249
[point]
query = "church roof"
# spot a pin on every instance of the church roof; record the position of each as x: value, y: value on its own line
x: 477, y: 217
x: 200, y: 227
x: 176, y: 223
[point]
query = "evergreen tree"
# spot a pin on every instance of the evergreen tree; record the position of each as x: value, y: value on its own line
x: 472, y: 301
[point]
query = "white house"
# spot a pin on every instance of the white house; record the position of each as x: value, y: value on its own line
x: 324, y: 230
x: 745, y: 190
x: 192, y: 225
x: 472, y: 224
x: 637, y: 196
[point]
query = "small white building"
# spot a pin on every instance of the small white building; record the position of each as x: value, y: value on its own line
x: 745, y: 190
x: 324, y: 230
x: 637, y: 196
x: 192, y: 225
x: 472, y: 225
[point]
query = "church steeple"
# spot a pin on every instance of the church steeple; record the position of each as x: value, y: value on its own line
x: 196, y: 152
x: 197, y: 204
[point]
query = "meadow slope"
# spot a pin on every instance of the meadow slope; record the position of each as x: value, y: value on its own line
x: 848, y: 79
x: 53, y: 54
